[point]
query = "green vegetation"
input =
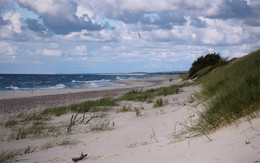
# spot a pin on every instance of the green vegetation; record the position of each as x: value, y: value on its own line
x: 158, y: 103
x: 125, y: 109
x: 103, y: 104
x: 35, y: 130
x: 7, y: 155
x: 137, y: 112
x: 234, y: 91
x: 210, y: 61
x: 10, y: 123
x: 147, y: 95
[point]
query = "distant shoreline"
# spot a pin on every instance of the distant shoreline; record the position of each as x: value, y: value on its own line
x: 41, y: 99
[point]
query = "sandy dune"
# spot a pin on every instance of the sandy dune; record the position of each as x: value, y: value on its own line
x: 147, y: 138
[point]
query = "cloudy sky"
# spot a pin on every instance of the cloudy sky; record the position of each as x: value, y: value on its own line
x: 101, y: 36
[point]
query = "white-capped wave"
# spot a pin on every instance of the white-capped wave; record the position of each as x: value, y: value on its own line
x: 93, y: 84
x: 12, y: 87
x: 119, y: 78
x: 57, y: 86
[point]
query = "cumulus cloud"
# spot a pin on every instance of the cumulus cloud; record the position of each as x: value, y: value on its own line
x: 176, y: 31
x: 84, y: 35
x: 60, y: 15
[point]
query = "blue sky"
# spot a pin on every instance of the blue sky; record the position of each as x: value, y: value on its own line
x: 101, y: 36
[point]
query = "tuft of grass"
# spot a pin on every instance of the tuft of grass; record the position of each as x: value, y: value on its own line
x: 103, y: 104
x: 234, y: 90
x: 137, y: 112
x: 158, y: 103
x: 125, y: 109
x: 11, y: 123
x: 8, y: 155
x: 48, y: 145
x: 35, y: 130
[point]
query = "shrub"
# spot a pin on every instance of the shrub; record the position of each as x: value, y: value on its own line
x: 205, y: 61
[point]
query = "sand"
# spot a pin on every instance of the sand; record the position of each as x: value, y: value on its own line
x: 147, y: 138
x: 14, y: 102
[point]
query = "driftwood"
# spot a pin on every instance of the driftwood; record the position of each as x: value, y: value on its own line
x: 76, y: 159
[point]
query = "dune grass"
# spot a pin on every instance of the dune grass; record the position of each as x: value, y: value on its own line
x: 103, y: 104
x: 139, y: 95
x: 8, y: 155
x: 233, y: 90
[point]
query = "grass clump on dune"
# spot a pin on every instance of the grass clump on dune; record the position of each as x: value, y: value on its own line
x: 234, y: 91
x: 102, y: 104
x: 147, y: 95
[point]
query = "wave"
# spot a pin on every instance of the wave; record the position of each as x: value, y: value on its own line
x: 57, y: 86
x: 12, y: 88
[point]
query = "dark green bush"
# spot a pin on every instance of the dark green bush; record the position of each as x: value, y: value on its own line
x: 213, y: 59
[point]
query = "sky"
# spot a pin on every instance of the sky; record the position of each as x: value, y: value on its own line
x: 101, y: 36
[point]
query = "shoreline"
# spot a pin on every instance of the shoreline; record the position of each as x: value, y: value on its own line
x: 13, y: 102
x: 125, y: 136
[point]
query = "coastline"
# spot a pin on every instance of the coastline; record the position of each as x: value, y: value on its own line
x: 152, y: 136
x: 13, y: 102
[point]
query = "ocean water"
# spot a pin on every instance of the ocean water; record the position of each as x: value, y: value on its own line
x: 26, y: 82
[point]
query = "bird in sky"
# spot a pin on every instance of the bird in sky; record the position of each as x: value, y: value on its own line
x: 139, y: 35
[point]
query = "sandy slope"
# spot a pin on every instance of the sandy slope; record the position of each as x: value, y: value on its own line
x: 148, y: 138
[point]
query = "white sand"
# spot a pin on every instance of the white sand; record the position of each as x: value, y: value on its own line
x: 148, y: 138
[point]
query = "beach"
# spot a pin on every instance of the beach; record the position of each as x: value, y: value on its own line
x: 152, y: 135
x: 13, y: 102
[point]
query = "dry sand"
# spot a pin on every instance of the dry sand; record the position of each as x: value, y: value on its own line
x: 147, y: 138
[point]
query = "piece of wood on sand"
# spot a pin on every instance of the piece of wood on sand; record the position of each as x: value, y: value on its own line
x: 76, y: 159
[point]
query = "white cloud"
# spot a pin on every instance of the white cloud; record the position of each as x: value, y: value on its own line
x: 84, y: 35
x: 51, y: 52
x: 172, y: 31
x: 52, y: 7
x: 15, y: 24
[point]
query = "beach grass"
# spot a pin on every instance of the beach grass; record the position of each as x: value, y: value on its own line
x: 103, y: 104
x: 11, y: 123
x: 8, y: 155
x: 137, y: 112
x: 125, y: 109
x: 148, y: 95
x: 158, y: 103
x: 233, y: 91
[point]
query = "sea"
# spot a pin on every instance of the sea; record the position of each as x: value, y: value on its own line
x: 28, y: 82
